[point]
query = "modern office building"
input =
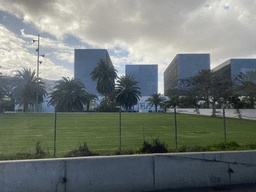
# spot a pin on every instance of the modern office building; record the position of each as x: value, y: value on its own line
x: 184, y: 66
x: 147, y: 77
x: 85, y: 62
x: 234, y: 67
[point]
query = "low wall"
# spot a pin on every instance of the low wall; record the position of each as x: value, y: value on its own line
x: 129, y: 173
x: 231, y: 113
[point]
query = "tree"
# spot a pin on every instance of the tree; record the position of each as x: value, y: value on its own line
x: 190, y: 101
x: 202, y: 84
x: 2, y: 93
x: 107, y: 106
x: 156, y: 99
x: 127, y: 92
x: 89, y: 97
x: 212, y: 87
x: 173, y: 101
x: 28, y: 87
x: 9, y: 92
x: 105, y: 75
x: 68, y: 95
x: 2, y: 90
x: 246, y: 85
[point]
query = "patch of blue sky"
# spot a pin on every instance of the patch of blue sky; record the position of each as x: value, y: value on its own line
x: 226, y: 7
x: 118, y: 52
x: 60, y: 62
x: 75, y: 42
x: 15, y: 25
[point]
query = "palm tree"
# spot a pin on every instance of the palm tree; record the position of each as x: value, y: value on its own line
x: 212, y: 87
x: 68, y: 95
x: 156, y: 99
x: 2, y: 90
x: 89, y: 97
x: 247, y: 85
x: 105, y: 75
x: 2, y: 93
x: 127, y: 92
x: 203, y: 83
x: 28, y: 88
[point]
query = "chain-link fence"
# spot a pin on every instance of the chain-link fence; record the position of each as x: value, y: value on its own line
x: 19, y: 132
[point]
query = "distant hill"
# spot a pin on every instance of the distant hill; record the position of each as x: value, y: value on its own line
x: 49, y: 84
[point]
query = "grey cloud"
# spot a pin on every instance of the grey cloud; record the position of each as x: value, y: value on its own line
x: 149, y: 30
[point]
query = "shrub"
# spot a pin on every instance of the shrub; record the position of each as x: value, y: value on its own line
x: 231, y: 145
x: 124, y: 152
x: 155, y: 147
x: 40, y: 153
x: 225, y: 146
x: 191, y: 149
x: 81, y: 151
x: 18, y: 156
x: 107, y: 107
x: 251, y: 146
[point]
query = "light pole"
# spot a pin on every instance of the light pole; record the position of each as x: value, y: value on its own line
x: 37, y: 70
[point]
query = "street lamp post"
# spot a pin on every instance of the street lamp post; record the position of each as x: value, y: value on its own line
x: 37, y: 70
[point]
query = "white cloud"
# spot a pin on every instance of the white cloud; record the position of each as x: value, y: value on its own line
x: 14, y: 56
x: 68, y: 56
x: 47, y: 43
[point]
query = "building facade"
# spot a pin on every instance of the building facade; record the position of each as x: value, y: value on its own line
x: 85, y: 62
x: 184, y: 66
x: 234, y: 67
x: 146, y: 76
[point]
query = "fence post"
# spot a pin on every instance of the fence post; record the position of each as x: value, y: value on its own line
x: 120, y: 111
x: 176, y: 142
x: 225, y: 130
x: 55, y: 125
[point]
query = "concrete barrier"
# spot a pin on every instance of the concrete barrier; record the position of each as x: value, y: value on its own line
x: 130, y: 173
x: 119, y: 173
x: 190, y: 170
x: 32, y: 175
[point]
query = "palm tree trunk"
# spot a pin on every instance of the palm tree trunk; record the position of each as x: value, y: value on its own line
x: 252, y: 102
x: 156, y: 108
x: 239, y: 114
x: 25, y: 107
x: 87, y: 106
x: 213, y: 109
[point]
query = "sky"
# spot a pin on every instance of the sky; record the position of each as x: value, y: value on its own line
x: 133, y: 32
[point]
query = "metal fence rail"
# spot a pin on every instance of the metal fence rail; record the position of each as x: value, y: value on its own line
x: 60, y: 133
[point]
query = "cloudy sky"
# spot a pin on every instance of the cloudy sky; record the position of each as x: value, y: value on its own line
x: 133, y: 31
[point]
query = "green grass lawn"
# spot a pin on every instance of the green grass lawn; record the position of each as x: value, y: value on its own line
x: 20, y: 132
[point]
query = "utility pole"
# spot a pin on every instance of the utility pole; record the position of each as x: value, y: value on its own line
x: 175, y: 119
x: 120, y: 112
x: 37, y: 74
x: 37, y: 70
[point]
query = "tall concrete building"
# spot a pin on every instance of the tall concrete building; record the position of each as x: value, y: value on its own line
x: 85, y: 62
x: 234, y: 67
x: 184, y: 66
x: 147, y: 77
